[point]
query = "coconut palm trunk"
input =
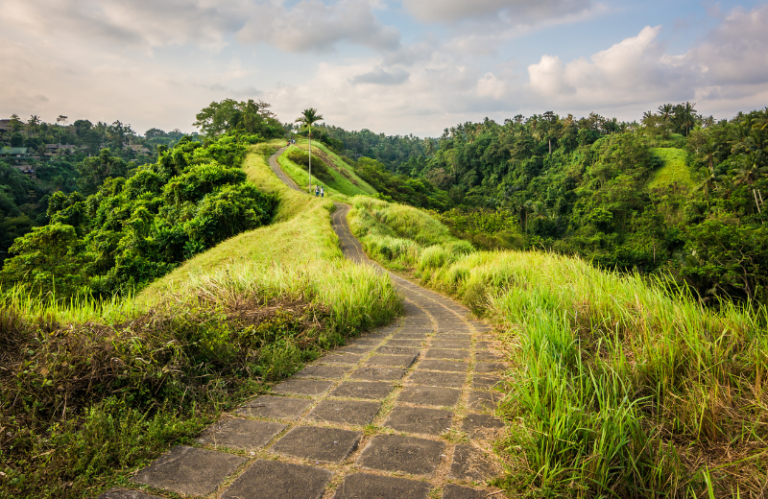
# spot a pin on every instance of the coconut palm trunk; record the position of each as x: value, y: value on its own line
x: 309, y: 136
x: 308, y: 117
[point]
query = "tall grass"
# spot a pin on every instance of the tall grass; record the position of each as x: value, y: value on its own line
x: 621, y: 387
x: 625, y: 387
x: 402, y: 236
x: 91, y: 390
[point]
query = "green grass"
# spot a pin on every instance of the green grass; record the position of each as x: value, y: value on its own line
x: 91, y: 391
x: 347, y: 171
x: 340, y: 180
x: 621, y: 386
x: 399, y: 235
x: 675, y: 169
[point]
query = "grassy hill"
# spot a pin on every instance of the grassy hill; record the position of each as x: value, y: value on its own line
x: 328, y: 170
x: 675, y: 169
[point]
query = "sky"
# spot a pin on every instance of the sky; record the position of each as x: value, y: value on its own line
x: 392, y: 66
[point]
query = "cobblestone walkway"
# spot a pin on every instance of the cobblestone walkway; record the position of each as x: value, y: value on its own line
x: 405, y: 412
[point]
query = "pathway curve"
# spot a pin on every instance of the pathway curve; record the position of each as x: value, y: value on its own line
x: 404, y: 412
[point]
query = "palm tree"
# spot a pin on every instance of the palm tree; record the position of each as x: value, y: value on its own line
x: 665, y: 111
x: 309, y: 117
x: 430, y: 147
x: 33, y: 122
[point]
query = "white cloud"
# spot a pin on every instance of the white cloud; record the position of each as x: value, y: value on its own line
x: 637, y: 69
x: 80, y: 58
x: 311, y: 25
x: 145, y: 23
x: 737, y: 51
x: 548, y: 76
x: 379, y: 76
x: 491, y: 86
x: 515, y: 11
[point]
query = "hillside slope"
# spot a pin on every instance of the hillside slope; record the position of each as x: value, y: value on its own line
x: 620, y: 385
x: 328, y: 170
x: 90, y: 391
x: 675, y: 169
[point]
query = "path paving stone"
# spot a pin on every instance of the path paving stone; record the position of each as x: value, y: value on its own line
x: 488, y: 356
x: 443, y: 353
x: 485, y: 382
x: 321, y: 444
x: 362, y: 485
x: 328, y: 372
x: 340, y: 358
x: 405, y: 343
x: 379, y: 373
x: 397, y: 453
x: 452, y: 344
x: 351, y: 412
x: 371, y: 390
x: 490, y: 367
x: 453, y: 491
x: 469, y: 463
x: 273, y: 479
x: 480, y: 423
x: 487, y: 401
x: 416, y: 330
x: 427, y: 395
x: 443, y: 365
x: 310, y: 387
x: 267, y: 406
x: 127, y: 494
x: 188, y: 470
x: 356, y: 349
x: 392, y: 350
x: 419, y: 420
x: 433, y: 378
x: 366, y: 341
x: 404, y: 361
x: 244, y: 434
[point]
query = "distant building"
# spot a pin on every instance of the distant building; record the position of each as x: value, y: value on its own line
x: 17, y: 157
x: 137, y: 148
x: 54, y: 149
x: 14, y: 155
x: 7, y: 126
x: 28, y: 169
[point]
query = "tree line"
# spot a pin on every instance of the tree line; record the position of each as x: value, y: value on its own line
x: 677, y: 193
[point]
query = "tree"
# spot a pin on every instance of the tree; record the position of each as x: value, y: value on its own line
x: 245, y: 117
x: 62, y: 120
x: 308, y: 118
x: 16, y: 123
x: 665, y: 111
x: 33, y: 122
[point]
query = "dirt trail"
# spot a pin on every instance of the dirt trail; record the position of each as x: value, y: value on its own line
x: 404, y: 412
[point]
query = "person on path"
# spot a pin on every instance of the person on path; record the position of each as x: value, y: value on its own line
x: 322, y: 192
x: 317, y: 191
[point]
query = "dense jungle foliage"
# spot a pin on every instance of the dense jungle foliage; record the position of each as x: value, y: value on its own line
x: 676, y: 193
x: 64, y: 158
x: 101, y: 225
x: 133, y: 230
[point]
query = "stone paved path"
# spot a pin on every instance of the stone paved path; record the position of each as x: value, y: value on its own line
x: 404, y: 412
